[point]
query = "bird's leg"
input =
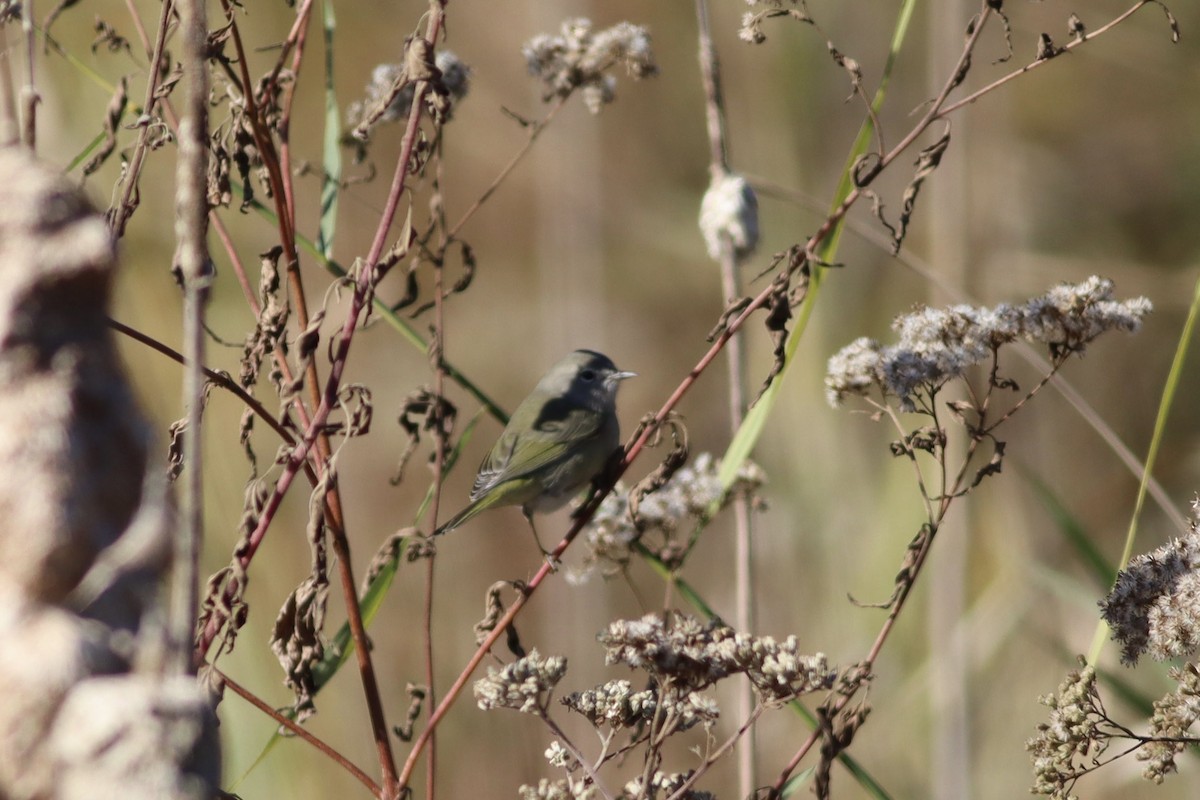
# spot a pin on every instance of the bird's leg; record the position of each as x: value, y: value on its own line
x: 551, y: 561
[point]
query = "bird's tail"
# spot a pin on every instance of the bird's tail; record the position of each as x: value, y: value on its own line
x: 458, y: 519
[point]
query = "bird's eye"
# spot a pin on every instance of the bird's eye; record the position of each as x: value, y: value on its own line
x: 588, y: 375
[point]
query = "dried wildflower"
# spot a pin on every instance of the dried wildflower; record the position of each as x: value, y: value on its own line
x: 665, y: 785
x: 564, y: 789
x: 937, y: 345
x: 751, y: 29
x: 683, y: 653
x: 777, y: 669
x: 690, y: 494
x: 1155, y: 605
x: 579, y: 57
x: 1171, y: 725
x: 524, y: 685
x: 1069, y: 316
x: 1066, y: 746
x: 675, y: 648
x: 729, y: 213
x: 613, y: 704
x: 561, y: 757
x: 454, y: 82
x: 853, y: 370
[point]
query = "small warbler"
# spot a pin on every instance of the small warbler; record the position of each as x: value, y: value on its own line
x: 559, y: 438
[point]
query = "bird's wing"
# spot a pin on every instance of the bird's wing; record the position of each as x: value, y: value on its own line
x: 553, y: 437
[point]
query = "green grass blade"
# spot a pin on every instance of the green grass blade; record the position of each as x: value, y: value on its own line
x: 86, y: 152
x: 331, y: 150
x: 1072, y: 530
x: 797, y: 781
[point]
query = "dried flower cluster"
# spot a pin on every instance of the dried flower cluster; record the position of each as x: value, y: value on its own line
x: 1155, y: 605
x: 729, y: 213
x: 579, y: 58
x: 661, y: 785
x: 691, y: 494
x: 664, y: 784
x: 524, y: 685
x: 562, y: 789
x: 751, y: 29
x: 936, y: 345
x: 1171, y: 726
x: 686, y: 655
x: 454, y: 81
x: 1066, y: 746
x: 615, y: 705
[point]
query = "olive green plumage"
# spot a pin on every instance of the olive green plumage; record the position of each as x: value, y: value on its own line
x: 558, y: 439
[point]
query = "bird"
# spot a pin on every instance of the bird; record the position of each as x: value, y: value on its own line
x: 559, y: 439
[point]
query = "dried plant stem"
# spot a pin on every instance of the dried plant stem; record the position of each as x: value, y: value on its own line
x: 323, y: 403
x: 437, y: 348
x: 359, y: 300
x: 301, y: 732
x: 133, y: 174
x: 743, y: 573
x: 191, y: 213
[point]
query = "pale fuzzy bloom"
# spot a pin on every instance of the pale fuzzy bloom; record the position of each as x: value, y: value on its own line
x: 1065, y: 746
x: 609, y: 535
x: 729, y: 213
x: 563, y: 789
x: 664, y: 785
x: 1174, y: 719
x: 561, y: 757
x: 524, y: 685
x: 1155, y: 605
x: 938, y: 345
x: 1071, y: 315
x: 853, y: 370
x: 455, y: 79
x: 578, y: 58
x: 751, y: 29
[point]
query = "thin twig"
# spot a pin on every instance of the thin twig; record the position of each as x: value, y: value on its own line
x: 220, y: 379
x: 133, y: 172
x: 300, y: 732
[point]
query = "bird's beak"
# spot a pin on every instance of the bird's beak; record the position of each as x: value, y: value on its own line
x: 620, y: 376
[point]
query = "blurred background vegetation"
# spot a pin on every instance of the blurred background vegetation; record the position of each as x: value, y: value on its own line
x: 1090, y: 165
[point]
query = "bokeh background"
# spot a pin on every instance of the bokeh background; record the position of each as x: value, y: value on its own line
x: 1089, y: 165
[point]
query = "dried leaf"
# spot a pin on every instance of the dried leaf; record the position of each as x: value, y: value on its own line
x: 112, y: 122
x: 927, y: 162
